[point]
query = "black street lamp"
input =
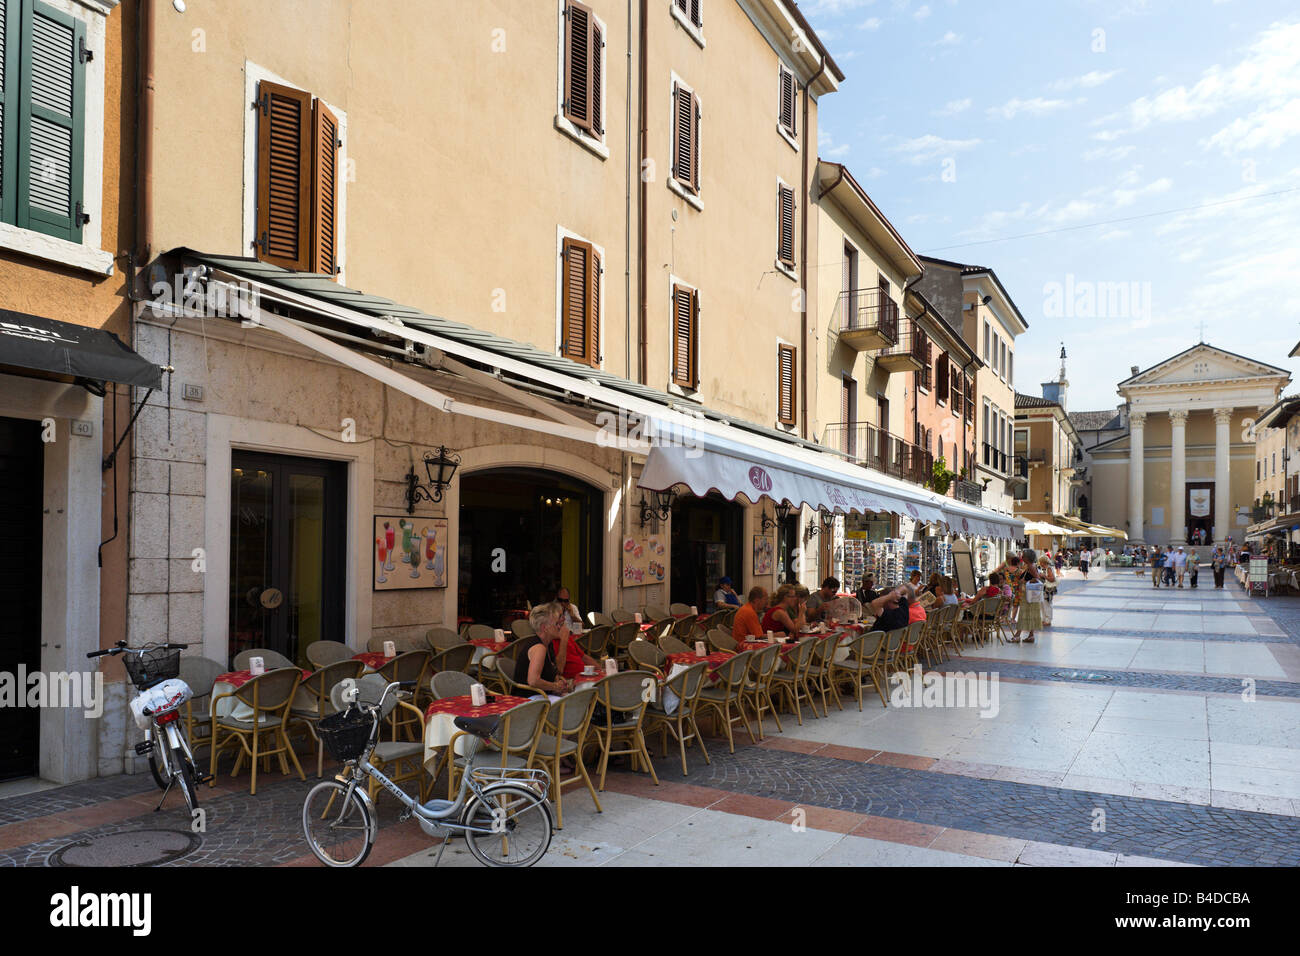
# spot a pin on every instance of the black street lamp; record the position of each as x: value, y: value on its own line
x: 662, y: 507
x: 439, y: 468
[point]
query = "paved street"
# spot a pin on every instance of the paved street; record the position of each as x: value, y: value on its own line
x: 1121, y: 738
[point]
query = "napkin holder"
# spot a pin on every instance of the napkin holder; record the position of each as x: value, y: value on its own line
x: 637, y: 616
x: 499, y: 636
x: 478, y: 695
x: 390, y: 650
x: 700, y: 649
x: 695, y: 611
x: 256, y: 666
x: 611, y: 667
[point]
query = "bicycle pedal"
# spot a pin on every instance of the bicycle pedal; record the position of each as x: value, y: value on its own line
x: 144, y: 747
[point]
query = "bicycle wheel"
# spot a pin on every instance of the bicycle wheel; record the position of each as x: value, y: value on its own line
x: 337, y: 825
x: 521, y: 823
x: 161, y: 775
x: 184, y: 771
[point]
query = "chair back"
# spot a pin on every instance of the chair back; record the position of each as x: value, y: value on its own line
x: 684, y: 628
x: 506, y: 672
x: 763, y: 664
x: 823, y: 650
x: 272, y: 692
x: 854, y: 646
x: 450, y: 684
x: 521, y: 726
x: 200, y: 673
x: 679, y: 610
x: 602, y: 620
x: 722, y: 640
x: 621, y: 615
x: 671, y: 645
x: 731, y: 675
x: 453, y: 659
x: 272, y: 659
x: 369, y: 689
x: 594, y: 641
x: 522, y: 628
x: 322, y: 653
x: 801, y: 657
x: 376, y: 644
x: 623, y: 696
x: 688, y: 684
x: 406, y: 667
x: 715, y: 619
x: 570, y: 714
x: 646, y: 655
x: 479, y: 632
x: 653, y: 612
x: 622, y: 635
x: 869, y: 649
x: 322, y: 682
x: 441, y: 638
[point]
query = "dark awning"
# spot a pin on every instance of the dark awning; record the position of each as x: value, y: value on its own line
x: 30, y: 341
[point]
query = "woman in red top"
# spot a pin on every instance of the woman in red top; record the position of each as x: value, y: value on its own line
x: 785, y: 614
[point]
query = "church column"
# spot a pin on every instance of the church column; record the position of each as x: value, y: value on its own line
x: 1178, y: 476
x: 1222, y: 484
x: 1136, y: 476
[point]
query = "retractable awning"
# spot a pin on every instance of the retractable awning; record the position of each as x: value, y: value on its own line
x: 48, y: 345
x: 1042, y: 527
x: 703, y: 449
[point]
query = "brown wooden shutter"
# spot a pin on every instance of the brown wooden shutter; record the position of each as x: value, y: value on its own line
x: 579, y: 340
x: 695, y: 13
x: 325, y: 146
x: 785, y: 384
x: 594, y: 78
x: 787, y: 101
x: 686, y: 166
x: 284, y: 180
x: 785, y: 244
x: 686, y: 307
x: 578, y: 57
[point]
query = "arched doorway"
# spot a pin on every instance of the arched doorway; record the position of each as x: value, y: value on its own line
x: 706, y: 544
x: 524, y: 532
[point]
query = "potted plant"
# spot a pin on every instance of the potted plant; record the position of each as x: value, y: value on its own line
x: 941, y: 478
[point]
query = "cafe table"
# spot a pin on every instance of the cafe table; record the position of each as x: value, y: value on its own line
x: 372, y: 659
x: 714, y: 660
x: 440, y: 721
x: 485, y: 649
x: 234, y: 708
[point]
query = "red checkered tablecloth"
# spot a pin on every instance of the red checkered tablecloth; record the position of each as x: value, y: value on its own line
x: 372, y: 659
x: 240, y: 678
x: 714, y: 660
x: 463, y: 706
x: 489, y: 643
x: 786, y: 649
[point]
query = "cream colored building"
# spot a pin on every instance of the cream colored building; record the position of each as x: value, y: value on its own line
x: 1047, y: 449
x: 1187, y: 460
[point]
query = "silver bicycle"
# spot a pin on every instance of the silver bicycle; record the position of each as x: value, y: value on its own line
x: 502, y: 813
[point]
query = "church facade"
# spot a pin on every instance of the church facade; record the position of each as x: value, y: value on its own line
x: 1183, y: 472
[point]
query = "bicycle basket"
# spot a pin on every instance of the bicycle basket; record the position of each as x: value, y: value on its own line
x: 152, y: 667
x: 346, y: 733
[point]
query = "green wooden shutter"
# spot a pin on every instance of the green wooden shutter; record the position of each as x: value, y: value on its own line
x: 9, y: 33
x: 51, y: 121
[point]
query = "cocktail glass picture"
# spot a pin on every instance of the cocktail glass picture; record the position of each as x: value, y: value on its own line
x: 382, y: 546
x: 407, y: 529
x: 413, y: 555
x: 389, y: 537
x: 430, y: 546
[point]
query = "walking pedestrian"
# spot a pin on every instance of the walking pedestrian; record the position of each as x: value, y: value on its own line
x: 1157, y: 566
x: 1218, y: 562
x: 1083, y: 561
x: 1193, y: 568
x: 1180, y: 564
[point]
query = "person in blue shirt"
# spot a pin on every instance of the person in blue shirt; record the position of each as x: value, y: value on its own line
x: 725, y: 594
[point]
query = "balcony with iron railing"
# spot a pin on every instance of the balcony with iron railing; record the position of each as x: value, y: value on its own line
x: 997, y: 460
x: 878, y: 450
x: 971, y: 492
x: 866, y: 319
x: 911, y: 353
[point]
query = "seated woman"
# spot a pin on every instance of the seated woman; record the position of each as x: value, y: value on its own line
x: 786, y: 613
x: 915, y: 610
x: 535, y: 661
x: 947, y: 592
x: 932, y: 585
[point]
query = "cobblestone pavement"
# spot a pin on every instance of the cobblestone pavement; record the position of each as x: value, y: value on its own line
x: 1194, y: 683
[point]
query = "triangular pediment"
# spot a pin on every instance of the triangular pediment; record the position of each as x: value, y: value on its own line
x: 1204, y: 363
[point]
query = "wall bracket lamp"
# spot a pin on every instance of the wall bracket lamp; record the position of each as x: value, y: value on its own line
x: 439, y: 468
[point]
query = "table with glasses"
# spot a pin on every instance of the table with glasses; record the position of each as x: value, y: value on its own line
x: 440, y: 721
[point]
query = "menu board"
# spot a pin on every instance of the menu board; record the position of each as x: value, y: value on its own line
x: 644, y: 556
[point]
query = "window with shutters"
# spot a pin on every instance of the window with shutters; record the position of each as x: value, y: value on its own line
x: 785, y: 383
x: 685, y: 336
x: 787, y: 90
x: 582, y: 76
x: 785, y: 228
x: 581, y: 276
x: 684, y: 178
x: 298, y: 203
x: 44, y: 61
x: 941, y: 379
x: 690, y: 15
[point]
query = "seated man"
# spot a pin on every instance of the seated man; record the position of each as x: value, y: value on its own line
x: 890, y: 610
x: 746, y: 627
x: 830, y: 587
x: 868, y: 593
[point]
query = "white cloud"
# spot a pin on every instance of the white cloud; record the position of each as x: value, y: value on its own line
x: 922, y: 12
x: 871, y: 23
x: 1263, y: 129
x: 836, y: 152
x: 812, y: 8
x: 1126, y: 197
x: 1035, y: 107
x: 948, y: 39
x: 920, y: 149
x: 1089, y: 80
x: 1109, y: 152
x: 953, y: 107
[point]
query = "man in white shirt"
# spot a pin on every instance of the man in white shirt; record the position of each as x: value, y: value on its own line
x: 570, y: 610
x: 1180, y: 564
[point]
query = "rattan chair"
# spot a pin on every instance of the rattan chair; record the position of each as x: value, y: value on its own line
x: 515, y: 738
x: 442, y: 638
x: 323, y: 653
x: 312, y: 702
x: 199, y: 673
x: 410, y: 666
x: 565, y: 733
x: 595, y: 640
x: 522, y: 628
x: 686, y: 686
x: 621, y: 615
x: 859, y: 667
x: 489, y: 669
x: 269, y: 697
x: 458, y: 658
x: 654, y: 612
x: 671, y: 645
x: 480, y: 632
x: 645, y: 656
x: 791, y: 684
x: 624, y: 698
x: 678, y: 609
x: 758, y: 694
x: 399, y: 760
x: 620, y: 637
x: 446, y: 684
x: 890, y: 660
x: 819, y: 672
x: 684, y: 629
x: 601, y: 620
x: 726, y: 697
x: 721, y: 640
x: 271, y: 659
x: 715, y: 620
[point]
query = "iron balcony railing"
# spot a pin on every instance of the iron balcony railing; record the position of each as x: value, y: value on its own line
x: 997, y: 460
x: 971, y: 492
x: 868, y: 310
x: 878, y: 450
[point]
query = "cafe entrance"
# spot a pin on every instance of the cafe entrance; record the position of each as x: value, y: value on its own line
x: 706, y: 544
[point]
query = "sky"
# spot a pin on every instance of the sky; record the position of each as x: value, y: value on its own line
x: 1130, y: 169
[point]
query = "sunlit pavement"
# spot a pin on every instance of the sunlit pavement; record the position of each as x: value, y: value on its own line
x: 1144, y: 727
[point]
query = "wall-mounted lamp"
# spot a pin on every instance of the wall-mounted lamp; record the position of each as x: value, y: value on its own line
x: 782, y: 512
x: 827, y: 522
x: 439, y: 468
x: 661, y: 509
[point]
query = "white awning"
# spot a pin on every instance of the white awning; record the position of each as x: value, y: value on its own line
x: 1042, y: 527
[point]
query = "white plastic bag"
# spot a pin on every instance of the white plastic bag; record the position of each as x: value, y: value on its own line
x: 1034, y: 593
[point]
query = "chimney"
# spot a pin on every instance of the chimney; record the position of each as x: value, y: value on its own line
x: 1133, y: 370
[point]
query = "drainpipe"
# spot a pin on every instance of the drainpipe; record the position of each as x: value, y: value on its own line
x: 144, y: 134
x: 627, y: 208
x: 642, y: 371
x: 803, y: 257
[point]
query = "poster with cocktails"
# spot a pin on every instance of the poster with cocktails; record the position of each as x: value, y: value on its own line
x: 409, y: 552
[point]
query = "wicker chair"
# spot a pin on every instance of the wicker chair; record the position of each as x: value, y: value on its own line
x: 446, y: 684
x: 522, y: 628
x: 686, y: 686
x: 653, y: 612
x: 726, y: 698
x: 792, y: 683
x: 684, y: 629
x: 200, y: 673
x: 680, y: 610
x: 322, y: 653
x: 272, y: 659
x: 458, y: 658
x: 480, y: 632
x: 671, y: 645
x: 595, y: 640
x: 621, y: 615
x: 268, y: 696
x: 410, y: 666
x: 620, y: 733
x: 758, y: 693
x: 891, y: 657
x: 564, y: 735
x: 400, y: 760
x: 819, y: 672
x: 602, y: 620
x: 721, y: 640
x: 317, y: 687
x: 442, y: 638
x: 647, y: 657
x: 620, y: 637
x: 516, y: 739
x: 489, y: 672
x: 860, y: 666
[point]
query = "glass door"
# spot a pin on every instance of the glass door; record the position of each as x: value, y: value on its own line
x: 287, y: 541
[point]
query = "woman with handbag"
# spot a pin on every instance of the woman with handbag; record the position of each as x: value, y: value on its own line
x: 1029, y: 598
x: 1048, y: 577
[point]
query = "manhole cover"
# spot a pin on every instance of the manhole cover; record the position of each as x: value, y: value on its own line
x: 1080, y: 675
x: 131, y: 848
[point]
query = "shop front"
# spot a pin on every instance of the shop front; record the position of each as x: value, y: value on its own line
x: 707, y: 535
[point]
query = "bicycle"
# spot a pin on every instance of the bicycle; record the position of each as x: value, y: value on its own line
x: 502, y: 812
x: 154, y: 670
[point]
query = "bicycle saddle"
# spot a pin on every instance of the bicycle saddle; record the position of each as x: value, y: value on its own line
x: 478, y: 726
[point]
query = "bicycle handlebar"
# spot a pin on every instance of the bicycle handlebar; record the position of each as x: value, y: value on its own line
x: 121, y: 648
